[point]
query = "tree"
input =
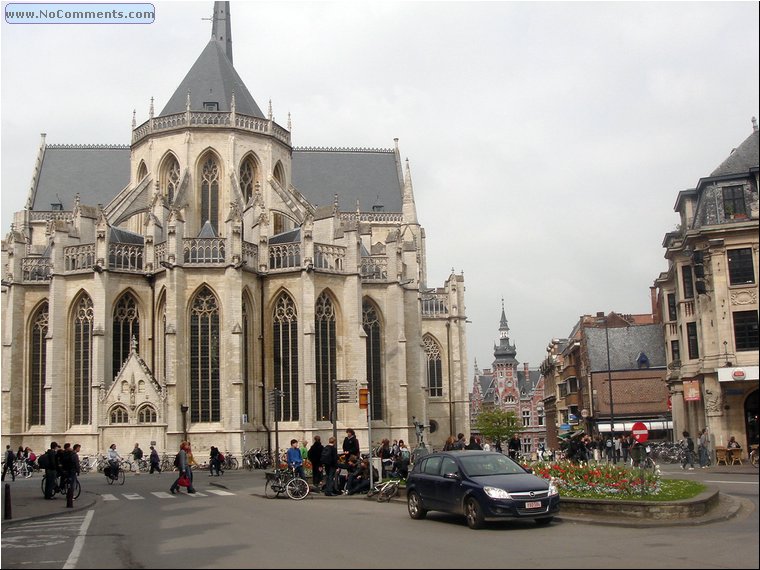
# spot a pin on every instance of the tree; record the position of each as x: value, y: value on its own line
x: 497, y: 425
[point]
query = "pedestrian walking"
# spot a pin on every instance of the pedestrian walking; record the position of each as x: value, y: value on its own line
x: 687, y: 443
x: 155, y: 460
x: 182, y: 464
x: 9, y: 458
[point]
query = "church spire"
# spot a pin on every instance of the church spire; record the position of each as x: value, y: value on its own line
x: 221, y: 30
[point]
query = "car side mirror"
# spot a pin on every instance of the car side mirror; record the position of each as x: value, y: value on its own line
x: 454, y: 475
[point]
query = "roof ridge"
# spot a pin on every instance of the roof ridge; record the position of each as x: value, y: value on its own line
x: 90, y: 146
x: 342, y: 149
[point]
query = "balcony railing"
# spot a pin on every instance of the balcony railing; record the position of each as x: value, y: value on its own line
x: 125, y: 257
x: 79, y: 257
x: 435, y: 305
x: 285, y: 256
x: 203, y: 250
x: 329, y: 256
x: 374, y: 268
x: 36, y: 269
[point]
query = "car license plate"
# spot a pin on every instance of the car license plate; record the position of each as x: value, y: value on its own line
x: 533, y: 505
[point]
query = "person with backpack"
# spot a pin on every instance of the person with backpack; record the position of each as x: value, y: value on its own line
x: 9, y: 458
x: 329, y: 460
x: 314, y: 455
x: 687, y: 443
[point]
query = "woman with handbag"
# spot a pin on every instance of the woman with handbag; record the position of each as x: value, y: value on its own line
x: 185, y: 478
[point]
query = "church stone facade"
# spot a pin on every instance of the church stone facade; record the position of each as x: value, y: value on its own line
x: 212, y: 281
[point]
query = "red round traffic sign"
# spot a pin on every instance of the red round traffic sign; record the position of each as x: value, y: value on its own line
x: 640, y: 432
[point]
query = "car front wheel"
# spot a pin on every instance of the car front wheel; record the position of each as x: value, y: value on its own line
x: 474, y: 513
x: 414, y: 505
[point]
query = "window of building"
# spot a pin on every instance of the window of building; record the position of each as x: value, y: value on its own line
x: 210, y: 106
x: 540, y: 417
x: 209, y: 177
x: 119, y: 415
x: 434, y: 367
x: 147, y: 415
x: 672, y: 312
x: 371, y: 325
x: 126, y: 329
x: 745, y: 330
x: 285, y: 356
x: 741, y: 270
x: 325, y: 352
x: 83, y: 317
x: 37, y: 365
x: 526, y: 418
x: 247, y: 356
x: 675, y: 351
x: 170, y: 178
x: 142, y: 171
x: 688, y: 282
x: 572, y: 385
x: 247, y: 177
x: 693, y: 341
x: 205, y: 398
x: 733, y: 202
x: 526, y: 444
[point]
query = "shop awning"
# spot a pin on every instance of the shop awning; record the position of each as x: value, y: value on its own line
x: 628, y: 425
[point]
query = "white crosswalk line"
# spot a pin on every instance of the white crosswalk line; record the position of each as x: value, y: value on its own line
x: 197, y: 494
x: 110, y: 497
x: 133, y: 496
x: 219, y: 492
x: 163, y: 495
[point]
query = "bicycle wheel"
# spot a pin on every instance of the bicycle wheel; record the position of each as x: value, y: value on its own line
x: 122, y: 477
x: 232, y: 464
x: 388, y: 492
x: 44, y: 479
x: 273, y: 488
x: 297, y: 488
x: 373, y: 491
x: 753, y: 458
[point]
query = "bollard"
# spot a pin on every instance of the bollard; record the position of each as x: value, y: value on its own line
x: 7, y: 515
x: 70, y: 496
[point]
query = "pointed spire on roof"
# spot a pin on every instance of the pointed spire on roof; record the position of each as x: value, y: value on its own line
x: 503, y: 325
x: 134, y: 119
x: 754, y: 124
x: 290, y: 125
x: 221, y: 29
x: 209, y: 84
x: 150, y: 111
x: 269, y: 112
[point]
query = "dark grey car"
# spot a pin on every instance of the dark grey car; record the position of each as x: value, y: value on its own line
x: 481, y: 485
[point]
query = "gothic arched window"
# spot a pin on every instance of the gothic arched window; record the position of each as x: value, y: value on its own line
x: 209, y: 179
x: 142, y: 171
x: 146, y: 415
x: 324, y: 347
x: 170, y: 178
x: 119, y: 415
x: 159, y: 324
x: 434, y: 369
x: 371, y: 324
x: 247, y: 355
x: 126, y: 328
x: 248, y: 177
x: 82, y: 319
x: 204, y: 358
x: 279, y: 174
x: 285, y: 356
x: 37, y: 364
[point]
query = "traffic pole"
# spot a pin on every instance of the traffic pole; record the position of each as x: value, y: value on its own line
x: 7, y: 514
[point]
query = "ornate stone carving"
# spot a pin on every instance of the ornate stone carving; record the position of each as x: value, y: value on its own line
x: 713, y: 402
x: 747, y: 297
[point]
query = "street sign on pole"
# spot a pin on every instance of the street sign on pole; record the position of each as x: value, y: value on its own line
x: 640, y: 432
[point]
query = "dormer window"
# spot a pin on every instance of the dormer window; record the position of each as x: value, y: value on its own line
x: 733, y: 202
x: 210, y: 106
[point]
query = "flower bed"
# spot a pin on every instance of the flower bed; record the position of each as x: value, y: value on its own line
x: 600, y: 480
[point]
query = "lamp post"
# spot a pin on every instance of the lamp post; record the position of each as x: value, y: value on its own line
x: 184, y: 410
x: 602, y: 318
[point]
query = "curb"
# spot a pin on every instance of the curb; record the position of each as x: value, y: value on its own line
x: 78, y: 506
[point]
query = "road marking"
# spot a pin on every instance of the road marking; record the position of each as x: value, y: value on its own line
x: 197, y: 494
x: 163, y: 495
x: 733, y: 482
x: 133, y: 496
x: 219, y: 492
x: 79, y: 542
x: 110, y: 497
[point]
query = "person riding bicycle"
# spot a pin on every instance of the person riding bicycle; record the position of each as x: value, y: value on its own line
x: 114, y: 459
x: 295, y: 459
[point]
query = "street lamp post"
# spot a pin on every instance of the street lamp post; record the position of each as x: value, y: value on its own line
x: 602, y: 318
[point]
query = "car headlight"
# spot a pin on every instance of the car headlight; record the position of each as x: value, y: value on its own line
x: 553, y: 489
x: 496, y: 493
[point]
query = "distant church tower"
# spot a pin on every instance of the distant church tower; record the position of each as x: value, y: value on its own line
x: 506, y: 395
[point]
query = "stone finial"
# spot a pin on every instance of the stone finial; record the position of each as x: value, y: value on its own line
x: 232, y: 102
x: 269, y: 113
x: 134, y: 119
x: 290, y: 124
x: 754, y: 124
x: 151, y: 108
x: 187, y: 101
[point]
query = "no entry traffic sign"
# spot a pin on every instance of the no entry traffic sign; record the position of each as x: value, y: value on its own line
x: 640, y: 432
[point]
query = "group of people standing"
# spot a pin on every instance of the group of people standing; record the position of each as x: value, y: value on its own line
x: 61, y: 464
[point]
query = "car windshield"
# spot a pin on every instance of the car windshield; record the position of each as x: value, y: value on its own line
x: 483, y: 465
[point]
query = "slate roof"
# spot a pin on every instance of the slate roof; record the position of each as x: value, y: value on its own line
x: 212, y: 79
x: 96, y: 172
x: 369, y: 175
x: 626, y: 345
x: 742, y: 158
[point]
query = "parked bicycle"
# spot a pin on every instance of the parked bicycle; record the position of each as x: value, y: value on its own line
x: 384, y: 491
x: 62, y: 486
x: 285, y: 481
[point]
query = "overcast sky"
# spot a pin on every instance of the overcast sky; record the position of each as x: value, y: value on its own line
x: 547, y: 141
